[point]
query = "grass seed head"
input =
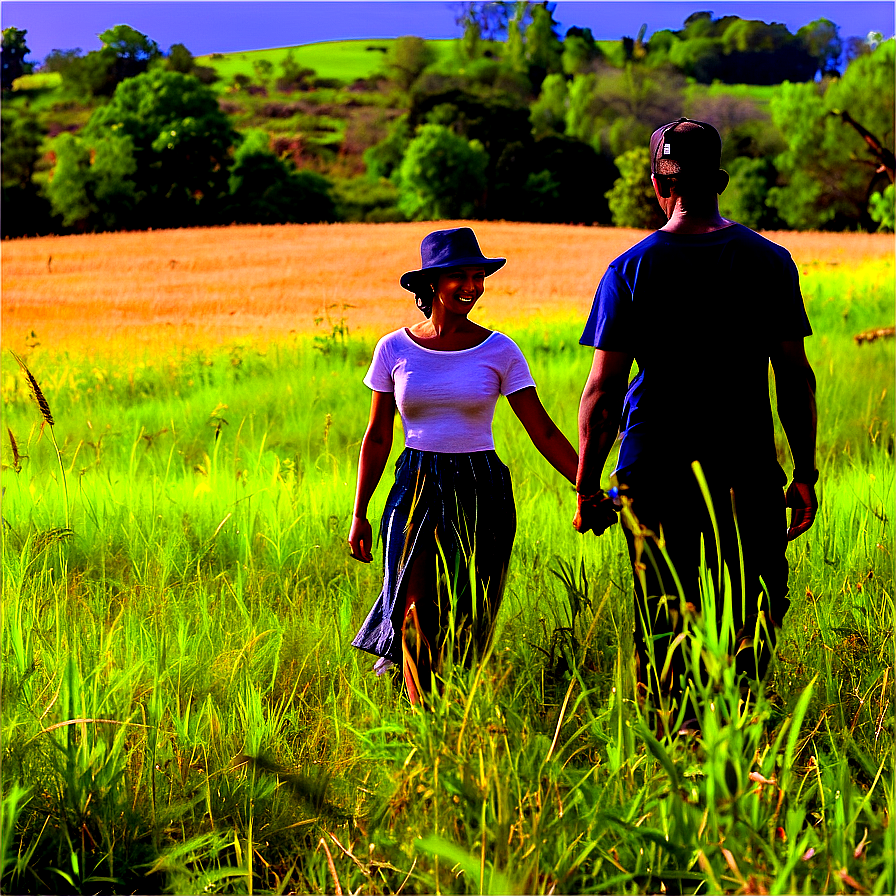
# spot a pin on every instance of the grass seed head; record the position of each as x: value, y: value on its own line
x: 36, y: 392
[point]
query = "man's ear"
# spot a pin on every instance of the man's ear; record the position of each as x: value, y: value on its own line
x: 722, y: 181
x: 661, y: 185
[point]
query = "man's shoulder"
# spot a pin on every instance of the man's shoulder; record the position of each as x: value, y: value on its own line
x: 638, y: 250
x: 744, y: 234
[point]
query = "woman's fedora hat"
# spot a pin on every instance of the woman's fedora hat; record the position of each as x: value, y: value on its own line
x: 444, y: 249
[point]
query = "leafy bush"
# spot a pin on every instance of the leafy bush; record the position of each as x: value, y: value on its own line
x: 883, y: 209
x: 267, y: 190
x: 442, y: 175
x: 360, y: 199
x: 632, y: 199
x: 746, y: 198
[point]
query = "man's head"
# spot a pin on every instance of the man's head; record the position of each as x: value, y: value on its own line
x: 687, y: 154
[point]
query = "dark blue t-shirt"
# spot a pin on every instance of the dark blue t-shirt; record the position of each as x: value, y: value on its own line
x: 700, y: 313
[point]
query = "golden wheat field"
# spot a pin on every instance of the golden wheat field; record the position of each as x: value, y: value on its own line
x: 192, y: 287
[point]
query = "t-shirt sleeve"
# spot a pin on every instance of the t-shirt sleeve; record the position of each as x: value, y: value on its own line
x: 515, y: 373
x: 379, y: 375
x: 792, y: 322
x: 609, y: 324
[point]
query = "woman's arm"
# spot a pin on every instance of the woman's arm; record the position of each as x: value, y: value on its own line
x: 545, y: 435
x: 375, y: 450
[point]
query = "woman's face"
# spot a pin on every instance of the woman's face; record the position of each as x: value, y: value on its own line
x: 458, y: 289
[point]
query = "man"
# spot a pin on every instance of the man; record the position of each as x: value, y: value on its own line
x: 703, y: 304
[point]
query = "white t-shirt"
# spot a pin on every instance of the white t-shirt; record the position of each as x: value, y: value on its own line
x: 447, y: 399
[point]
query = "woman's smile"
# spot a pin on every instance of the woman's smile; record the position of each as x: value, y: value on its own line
x: 464, y: 285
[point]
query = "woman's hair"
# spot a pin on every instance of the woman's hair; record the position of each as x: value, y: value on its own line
x: 426, y: 291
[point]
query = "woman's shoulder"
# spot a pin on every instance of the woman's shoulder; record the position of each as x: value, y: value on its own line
x: 499, y: 341
x: 392, y: 339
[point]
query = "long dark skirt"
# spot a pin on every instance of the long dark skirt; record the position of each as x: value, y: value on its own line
x: 458, y: 508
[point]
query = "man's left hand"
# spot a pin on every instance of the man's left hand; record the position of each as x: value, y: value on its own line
x: 800, y: 498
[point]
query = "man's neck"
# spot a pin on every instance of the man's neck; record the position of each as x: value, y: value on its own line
x: 695, y: 217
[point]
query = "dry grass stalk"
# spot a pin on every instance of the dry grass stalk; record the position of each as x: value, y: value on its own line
x: 874, y: 335
x: 16, y: 457
x: 44, y: 406
x: 36, y: 393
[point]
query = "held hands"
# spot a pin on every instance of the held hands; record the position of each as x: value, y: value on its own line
x: 800, y: 498
x: 360, y: 539
x: 595, y: 513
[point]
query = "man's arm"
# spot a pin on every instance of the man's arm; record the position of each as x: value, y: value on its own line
x: 600, y: 411
x: 795, y: 387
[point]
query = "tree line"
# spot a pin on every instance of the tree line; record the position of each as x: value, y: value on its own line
x: 518, y: 124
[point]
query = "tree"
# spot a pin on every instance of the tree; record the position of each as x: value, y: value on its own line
x: 516, y: 42
x: 659, y: 46
x: 263, y: 69
x: 25, y: 211
x: 13, y: 51
x: 442, y: 175
x: 746, y: 197
x: 384, y: 158
x: 544, y: 50
x: 86, y: 77
x: 60, y: 60
x: 882, y: 207
x: 548, y: 112
x: 267, y: 190
x: 125, y: 54
x: 406, y: 60
x: 93, y: 187
x: 821, y: 39
x: 697, y: 25
x: 567, y: 183
x: 698, y: 57
x: 632, y: 199
x: 293, y: 76
x: 181, y: 141
x: 489, y: 20
x: 180, y: 59
x: 132, y: 50
x: 579, y: 51
x: 580, y: 115
x: 828, y: 170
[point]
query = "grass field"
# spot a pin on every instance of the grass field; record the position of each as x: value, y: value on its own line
x: 181, y: 711
x: 344, y: 60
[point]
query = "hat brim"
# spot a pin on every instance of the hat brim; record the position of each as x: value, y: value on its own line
x: 412, y: 279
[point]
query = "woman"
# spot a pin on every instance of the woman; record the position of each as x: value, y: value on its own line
x: 449, y: 522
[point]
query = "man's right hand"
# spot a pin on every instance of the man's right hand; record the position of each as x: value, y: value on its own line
x: 800, y: 498
x: 595, y: 513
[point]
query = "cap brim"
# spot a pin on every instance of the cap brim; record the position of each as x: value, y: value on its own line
x: 412, y: 279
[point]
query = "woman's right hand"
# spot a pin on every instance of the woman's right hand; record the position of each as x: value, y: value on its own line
x: 360, y: 539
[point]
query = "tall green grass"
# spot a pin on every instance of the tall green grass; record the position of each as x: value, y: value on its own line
x: 182, y: 711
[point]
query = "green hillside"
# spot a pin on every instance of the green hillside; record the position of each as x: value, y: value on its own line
x: 345, y: 60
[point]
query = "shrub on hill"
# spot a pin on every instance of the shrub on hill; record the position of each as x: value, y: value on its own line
x: 264, y: 189
x: 442, y: 175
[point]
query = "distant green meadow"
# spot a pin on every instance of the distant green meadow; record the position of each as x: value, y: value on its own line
x: 182, y: 711
x: 343, y: 60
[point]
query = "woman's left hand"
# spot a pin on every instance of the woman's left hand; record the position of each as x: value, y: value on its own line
x: 360, y: 539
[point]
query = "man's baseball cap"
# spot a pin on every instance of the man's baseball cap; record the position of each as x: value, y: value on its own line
x: 685, y: 147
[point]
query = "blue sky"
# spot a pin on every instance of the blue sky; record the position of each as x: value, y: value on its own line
x: 207, y: 26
